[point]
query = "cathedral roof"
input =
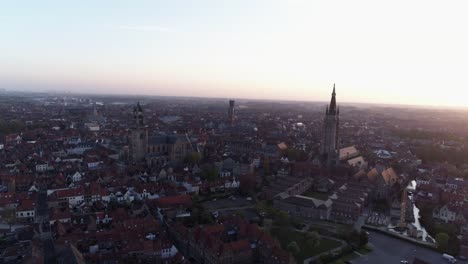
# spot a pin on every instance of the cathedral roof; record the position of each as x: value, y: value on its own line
x: 167, y: 139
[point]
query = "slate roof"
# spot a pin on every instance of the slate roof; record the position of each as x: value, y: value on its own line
x: 356, y: 161
x: 348, y: 152
x: 167, y: 139
x: 307, y: 201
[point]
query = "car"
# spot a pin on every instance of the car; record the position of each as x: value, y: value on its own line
x: 249, y: 198
x: 404, y: 262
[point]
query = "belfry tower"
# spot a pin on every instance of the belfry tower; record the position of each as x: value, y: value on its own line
x: 329, y: 147
x: 231, y: 112
x: 138, y: 135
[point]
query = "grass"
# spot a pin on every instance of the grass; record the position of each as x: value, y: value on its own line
x: 331, y: 229
x: 365, y: 249
x: 347, y: 257
x: 287, y: 236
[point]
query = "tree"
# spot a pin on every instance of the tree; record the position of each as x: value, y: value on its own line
x: 11, y: 126
x: 442, y: 240
x: 381, y: 205
x: 295, y: 154
x: 353, y: 238
x: 193, y: 158
x: 266, y: 208
x: 195, y: 199
x: 363, y: 238
x: 296, y: 223
x: 312, y: 239
x: 200, y: 215
x: 240, y: 214
x: 247, y: 184
x: 209, y: 172
x: 293, y: 248
x: 281, y: 219
x: 266, y: 166
x: 10, y: 217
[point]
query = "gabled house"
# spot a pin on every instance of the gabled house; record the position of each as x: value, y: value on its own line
x: 70, y: 197
x: 232, y: 183
x: 446, y: 213
x: 383, y: 180
x: 25, y: 212
x: 42, y: 167
x: 76, y: 177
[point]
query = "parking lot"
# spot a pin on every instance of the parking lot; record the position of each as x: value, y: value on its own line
x: 378, y: 220
x: 231, y: 203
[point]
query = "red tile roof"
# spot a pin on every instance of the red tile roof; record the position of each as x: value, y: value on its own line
x: 174, y: 201
x: 26, y: 205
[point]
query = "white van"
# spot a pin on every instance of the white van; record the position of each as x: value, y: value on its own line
x: 450, y: 259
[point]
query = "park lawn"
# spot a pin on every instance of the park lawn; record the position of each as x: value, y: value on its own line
x: 348, y: 257
x: 306, y: 252
x: 365, y: 249
x: 339, y: 228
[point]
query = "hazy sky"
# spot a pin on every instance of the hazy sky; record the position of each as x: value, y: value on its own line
x: 399, y: 51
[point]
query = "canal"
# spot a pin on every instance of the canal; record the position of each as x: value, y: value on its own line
x: 425, y: 236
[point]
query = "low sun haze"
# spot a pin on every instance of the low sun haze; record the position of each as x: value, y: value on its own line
x: 397, y: 52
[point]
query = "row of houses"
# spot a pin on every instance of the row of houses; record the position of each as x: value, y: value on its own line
x: 345, y: 205
x: 231, y: 240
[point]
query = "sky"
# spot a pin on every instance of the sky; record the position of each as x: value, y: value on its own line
x: 397, y: 52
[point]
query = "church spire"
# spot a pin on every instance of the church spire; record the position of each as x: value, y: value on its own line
x: 333, y: 101
x: 138, y: 115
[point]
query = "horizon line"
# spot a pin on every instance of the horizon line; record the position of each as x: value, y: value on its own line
x: 396, y: 105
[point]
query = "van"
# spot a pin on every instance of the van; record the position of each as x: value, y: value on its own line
x: 448, y: 257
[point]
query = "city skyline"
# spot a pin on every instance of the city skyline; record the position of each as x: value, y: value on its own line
x: 397, y: 53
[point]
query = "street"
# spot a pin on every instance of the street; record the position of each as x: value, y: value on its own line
x: 41, y: 208
x: 390, y: 250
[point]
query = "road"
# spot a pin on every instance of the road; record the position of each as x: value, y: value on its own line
x: 390, y: 250
x: 41, y: 208
x: 42, y: 217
